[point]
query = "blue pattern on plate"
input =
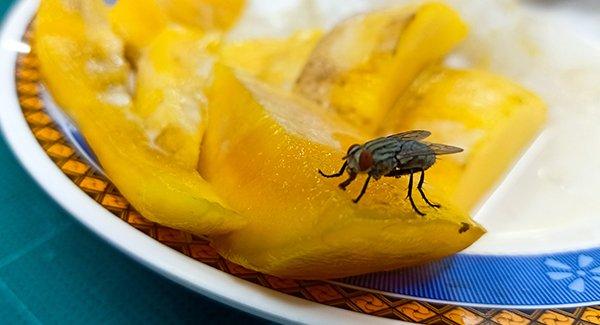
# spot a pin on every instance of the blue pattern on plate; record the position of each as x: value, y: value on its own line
x: 560, y: 279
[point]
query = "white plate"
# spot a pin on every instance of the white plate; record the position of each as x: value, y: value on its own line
x: 531, y: 264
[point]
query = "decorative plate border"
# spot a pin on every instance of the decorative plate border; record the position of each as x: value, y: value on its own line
x: 573, y: 271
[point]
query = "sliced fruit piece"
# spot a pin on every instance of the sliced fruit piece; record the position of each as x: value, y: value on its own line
x: 362, y: 66
x: 274, y: 61
x: 82, y: 64
x: 492, y: 118
x: 172, y: 75
x: 204, y: 14
x: 137, y: 22
x: 86, y: 45
x: 261, y: 151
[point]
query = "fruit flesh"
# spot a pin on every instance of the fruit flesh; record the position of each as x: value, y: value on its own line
x: 137, y: 22
x: 363, y: 65
x: 277, y: 62
x: 204, y: 14
x: 262, y: 149
x: 83, y: 67
x: 172, y: 74
x: 492, y: 118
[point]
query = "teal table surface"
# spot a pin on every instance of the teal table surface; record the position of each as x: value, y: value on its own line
x: 53, y: 270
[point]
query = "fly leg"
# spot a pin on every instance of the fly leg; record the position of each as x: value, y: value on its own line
x: 409, y: 196
x: 338, y: 174
x: 347, y: 182
x: 420, y: 188
x: 363, y: 190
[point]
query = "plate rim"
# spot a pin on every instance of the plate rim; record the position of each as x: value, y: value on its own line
x: 10, y: 41
x: 212, y: 283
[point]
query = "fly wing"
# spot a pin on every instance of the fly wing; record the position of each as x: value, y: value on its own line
x: 442, y: 149
x: 409, y: 152
x: 411, y: 135
x: 432, y: 148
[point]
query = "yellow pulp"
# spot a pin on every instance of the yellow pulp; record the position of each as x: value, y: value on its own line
x: 492, y: 118
x: 261, y: 151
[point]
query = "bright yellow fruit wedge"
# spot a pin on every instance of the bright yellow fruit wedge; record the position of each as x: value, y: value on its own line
x: 492, y: 118
x: 277, y: 62
x: 137, y: 22
x: 204, y: 14
x: 173, y: 73
x: 363, y: 65
x: 261, y: 151
x: 82, y: 64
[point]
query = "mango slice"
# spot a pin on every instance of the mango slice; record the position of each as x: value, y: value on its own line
x: 492, y: 118
x: 277, y: 62
x: 137, y: 22
x: 82, y: 64
x: 172, y: 75
x: 204, y: 14
x: 363, y: 65
x: 261, y: 151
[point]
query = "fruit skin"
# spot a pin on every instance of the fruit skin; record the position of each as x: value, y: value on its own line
x: 277, y: 62
x: 492, y: 118
x: 172, y: 75
x: 261, y: 151
x: 82, y: 65
x: 364, y: 64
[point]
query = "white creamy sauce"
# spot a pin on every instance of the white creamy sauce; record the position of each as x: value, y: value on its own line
x: 550, y: 200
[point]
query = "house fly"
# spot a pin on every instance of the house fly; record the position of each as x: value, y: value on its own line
x: 396, y: 155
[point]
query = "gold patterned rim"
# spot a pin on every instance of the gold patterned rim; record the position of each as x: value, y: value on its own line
x: 99, y: 188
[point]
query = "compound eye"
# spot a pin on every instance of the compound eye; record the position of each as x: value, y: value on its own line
x: 365, y: 161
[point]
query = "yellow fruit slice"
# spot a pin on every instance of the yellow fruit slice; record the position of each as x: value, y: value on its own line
x: 82, y: 64
x: 137, y: 22
x: 362, y: 66
x: 172, y: 75
x: 261, y: 151
x: 275, y: 61
x: 492, y: 118
x: 204, y: 14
